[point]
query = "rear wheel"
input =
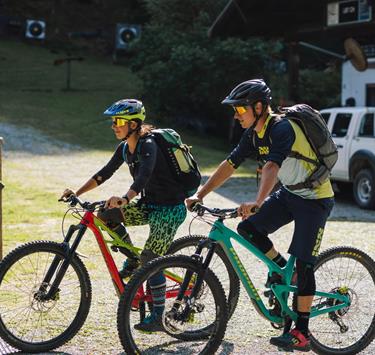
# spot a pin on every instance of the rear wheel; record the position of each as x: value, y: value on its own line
x: 348, y: 330
x: 219, y: 263
x: 28, y: 320
x: 199, y: 323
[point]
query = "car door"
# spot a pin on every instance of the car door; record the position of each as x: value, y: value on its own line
x: 340, y: 134
x: 364, y: 135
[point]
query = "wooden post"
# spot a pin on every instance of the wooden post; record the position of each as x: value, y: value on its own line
x: 1, y: 200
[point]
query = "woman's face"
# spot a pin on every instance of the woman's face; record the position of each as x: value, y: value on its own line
x: 122, y: 131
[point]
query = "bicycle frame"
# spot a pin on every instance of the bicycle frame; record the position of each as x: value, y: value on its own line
x: 223, y: 235
x: 96, y: 225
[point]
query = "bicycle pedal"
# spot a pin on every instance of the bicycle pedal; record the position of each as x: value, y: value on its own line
x: 268, y: 293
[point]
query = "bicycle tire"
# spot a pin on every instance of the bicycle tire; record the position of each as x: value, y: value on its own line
x: 33, y: 256
x: 183, y: 261
x: 230, y: 282
x: 355, y: 260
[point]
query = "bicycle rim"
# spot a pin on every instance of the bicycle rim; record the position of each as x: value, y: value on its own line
x: 208, y: 313
x: 349, y: 330
x: 29, y: 322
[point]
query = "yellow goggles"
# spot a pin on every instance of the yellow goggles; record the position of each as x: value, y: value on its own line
x: 239, y: 109
x: 119, y: 121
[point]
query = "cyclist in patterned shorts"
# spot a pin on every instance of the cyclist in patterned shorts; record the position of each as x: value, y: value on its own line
x: 162, y: 199
x: 274, y: 140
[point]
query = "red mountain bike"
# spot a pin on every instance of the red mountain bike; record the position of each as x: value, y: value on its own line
x: 45, y: 289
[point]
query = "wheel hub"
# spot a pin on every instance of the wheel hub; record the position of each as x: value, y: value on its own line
x: 364, y: 189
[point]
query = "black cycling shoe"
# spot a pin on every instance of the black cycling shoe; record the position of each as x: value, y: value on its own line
x: 150, y: 324
x: 128, y: 267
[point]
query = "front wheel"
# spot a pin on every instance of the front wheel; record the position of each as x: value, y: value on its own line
x: 348, y: 330
x: 185, y: 320
x: 220, y: 263
x: 29, y: 321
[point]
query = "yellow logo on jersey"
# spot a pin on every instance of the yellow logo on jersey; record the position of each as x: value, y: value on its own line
x: 264, y: 150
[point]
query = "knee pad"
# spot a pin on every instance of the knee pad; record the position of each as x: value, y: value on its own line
x: 247, y: 230
x: 305, y: 279
x: 147, y: 255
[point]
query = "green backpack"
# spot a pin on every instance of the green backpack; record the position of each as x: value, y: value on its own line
x: 179, y: 158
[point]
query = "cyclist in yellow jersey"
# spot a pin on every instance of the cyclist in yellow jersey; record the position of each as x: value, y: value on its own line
x: 273, y: 139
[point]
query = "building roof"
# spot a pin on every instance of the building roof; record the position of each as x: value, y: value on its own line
x: 301, y: 20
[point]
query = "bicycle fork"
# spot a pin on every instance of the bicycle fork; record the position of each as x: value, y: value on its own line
x: 198, y: 282
x: 69, y: 253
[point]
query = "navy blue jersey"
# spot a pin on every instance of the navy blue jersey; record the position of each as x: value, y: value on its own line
x: 276, y: 140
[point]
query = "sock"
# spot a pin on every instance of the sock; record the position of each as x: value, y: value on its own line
x: 158, y: 289
x: 302, y: 323
x: 279, y: 260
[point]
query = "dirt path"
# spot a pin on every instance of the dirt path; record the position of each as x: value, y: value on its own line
x: 58, y: 166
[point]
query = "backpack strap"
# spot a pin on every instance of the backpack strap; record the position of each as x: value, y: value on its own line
x: 138, y: 151
x: 297, y: 155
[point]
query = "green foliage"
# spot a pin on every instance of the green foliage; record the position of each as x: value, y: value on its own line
x: 186, y: 74
x: 320, y: 89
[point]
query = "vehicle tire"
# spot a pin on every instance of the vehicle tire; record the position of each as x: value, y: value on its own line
x: 353, y: 271
x: 29, y: 323
x: 213, y: 312
x: 220, y: 263
x: 364, y: 189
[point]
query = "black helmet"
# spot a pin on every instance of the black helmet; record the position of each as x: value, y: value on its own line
x: 248, y: 93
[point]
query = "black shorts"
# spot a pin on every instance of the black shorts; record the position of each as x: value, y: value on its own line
x: 309, y: 218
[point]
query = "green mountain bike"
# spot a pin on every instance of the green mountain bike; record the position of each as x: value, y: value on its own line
x: 342, y: 315
x: 45, y: 288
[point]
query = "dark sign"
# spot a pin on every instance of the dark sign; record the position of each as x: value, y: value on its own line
x: 348, y: 11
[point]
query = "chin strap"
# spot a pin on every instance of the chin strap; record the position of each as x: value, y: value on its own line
x: 131, y: 131
x: 257, y: 117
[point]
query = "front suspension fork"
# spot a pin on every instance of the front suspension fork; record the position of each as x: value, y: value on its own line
x: 199, y: 279
x: 69, y: 253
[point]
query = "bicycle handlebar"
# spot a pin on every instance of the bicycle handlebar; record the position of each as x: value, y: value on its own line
x: 217, y: 212
x: 73, y: 200
x: 224, y: 213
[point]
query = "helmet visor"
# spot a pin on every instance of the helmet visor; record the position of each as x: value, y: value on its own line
x: 240, y: 110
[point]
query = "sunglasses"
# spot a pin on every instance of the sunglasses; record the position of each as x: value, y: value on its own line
x: 239, y: 109
x: 119, y: 121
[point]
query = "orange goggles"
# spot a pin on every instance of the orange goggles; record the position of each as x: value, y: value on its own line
x: 119, y: 121
x: 239, y: 109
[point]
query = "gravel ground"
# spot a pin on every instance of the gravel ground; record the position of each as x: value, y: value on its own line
x: 247, y: 332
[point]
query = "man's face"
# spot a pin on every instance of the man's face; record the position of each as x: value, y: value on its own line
x: 244, y: 115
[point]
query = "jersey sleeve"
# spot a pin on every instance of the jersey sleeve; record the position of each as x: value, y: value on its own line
x: 282, y: 138
x: 147, y: 161
x: 245, y: 149
x: 114, y: 163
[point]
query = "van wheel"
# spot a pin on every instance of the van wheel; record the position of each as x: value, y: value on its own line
x: 364, y: 189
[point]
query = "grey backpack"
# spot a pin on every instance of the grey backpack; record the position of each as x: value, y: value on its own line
x: 317, y: 133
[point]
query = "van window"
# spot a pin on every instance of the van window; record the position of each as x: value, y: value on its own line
x: 326, y: 116
x: 341, y: 125
x: 366, y: 128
